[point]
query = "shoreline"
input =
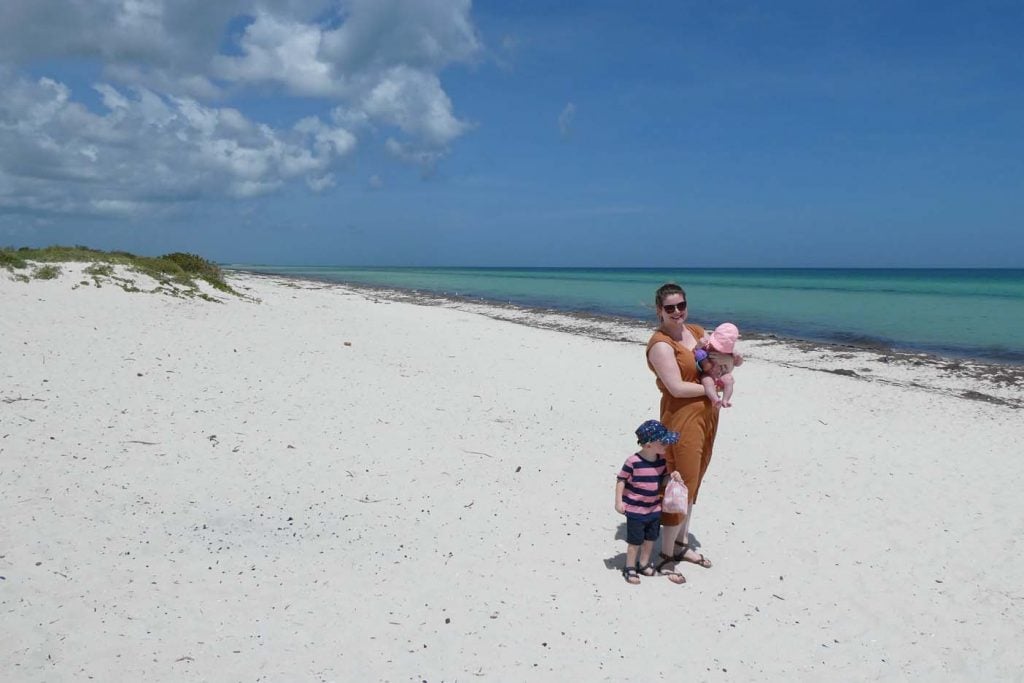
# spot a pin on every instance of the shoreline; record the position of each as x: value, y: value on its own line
x: 990, y: 356
x: 989, y: 382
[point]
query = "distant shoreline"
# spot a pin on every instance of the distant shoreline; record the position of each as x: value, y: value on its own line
x: 839, y: 343
x: 895, y: 269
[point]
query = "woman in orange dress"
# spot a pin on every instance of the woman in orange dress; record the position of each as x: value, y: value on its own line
x: 685, y: 409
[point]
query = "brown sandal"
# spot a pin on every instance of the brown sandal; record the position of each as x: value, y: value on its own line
x: 703, y: 561
x: 672, y: 575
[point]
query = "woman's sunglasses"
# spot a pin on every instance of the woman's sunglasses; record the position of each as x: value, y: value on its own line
x: 672, y: 308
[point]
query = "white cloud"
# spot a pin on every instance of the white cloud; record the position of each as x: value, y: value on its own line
x: 322, y: 183
x: 282, y: 51
x: 178, y: 35
x: 566, y: 118
x: 414, y: 102
x: 424, y: 158
x: 117, y: 207
x: 162, y: 131
x: 382, y: 62
x: 146, y: 149
x: 325, y: 138
x: 422, y: 34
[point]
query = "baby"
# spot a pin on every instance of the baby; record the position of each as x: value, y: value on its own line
x: 716, y: 357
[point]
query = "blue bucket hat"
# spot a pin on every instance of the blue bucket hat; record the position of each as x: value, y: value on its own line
x: 652, y: 430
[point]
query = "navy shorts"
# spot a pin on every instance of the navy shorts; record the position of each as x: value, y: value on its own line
x: 642, y: 528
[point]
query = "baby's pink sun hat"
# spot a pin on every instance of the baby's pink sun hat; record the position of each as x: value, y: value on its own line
x: 723, y: 339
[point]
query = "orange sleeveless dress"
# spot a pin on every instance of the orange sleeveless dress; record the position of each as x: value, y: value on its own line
x: 696, y: 420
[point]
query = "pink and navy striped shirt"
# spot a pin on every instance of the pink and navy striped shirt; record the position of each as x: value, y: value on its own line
x: 640, y: 496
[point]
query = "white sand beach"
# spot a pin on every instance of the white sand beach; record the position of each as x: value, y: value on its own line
x: 323, y: 484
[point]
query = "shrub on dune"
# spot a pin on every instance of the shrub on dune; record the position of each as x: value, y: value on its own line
x: 175, y: 268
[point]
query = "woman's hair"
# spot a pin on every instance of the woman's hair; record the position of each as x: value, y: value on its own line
x: 665, y: 291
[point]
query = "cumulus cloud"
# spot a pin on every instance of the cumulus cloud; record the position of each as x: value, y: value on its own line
x: 414, y: 102
x: 282, y: 51
x: 382, y: 61
x: 167, y: 36
x: 163, y: 130
x: 146, y: 149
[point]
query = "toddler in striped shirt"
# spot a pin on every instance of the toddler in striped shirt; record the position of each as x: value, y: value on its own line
x: 637, y: 496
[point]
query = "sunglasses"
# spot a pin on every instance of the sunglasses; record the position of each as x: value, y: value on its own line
x: 672, y: 308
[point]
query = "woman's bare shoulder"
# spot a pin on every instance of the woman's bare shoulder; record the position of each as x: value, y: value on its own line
x: 657, y: 337
x: 660, y: 347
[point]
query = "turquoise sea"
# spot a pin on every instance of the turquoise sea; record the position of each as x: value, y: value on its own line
x: 948, y: 312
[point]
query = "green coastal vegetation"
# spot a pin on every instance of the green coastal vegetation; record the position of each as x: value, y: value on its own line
x: 177, y: 273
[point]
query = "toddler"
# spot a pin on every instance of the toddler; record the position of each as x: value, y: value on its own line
x: 637, y: 496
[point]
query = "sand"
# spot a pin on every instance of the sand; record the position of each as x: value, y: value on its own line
x: 320, y: 483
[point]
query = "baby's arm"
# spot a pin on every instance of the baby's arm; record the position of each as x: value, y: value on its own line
x: 620, y: 486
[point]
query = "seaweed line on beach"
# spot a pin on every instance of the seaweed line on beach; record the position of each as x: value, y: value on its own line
x: 1003, y: 384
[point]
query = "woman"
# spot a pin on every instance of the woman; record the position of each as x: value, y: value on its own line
x: 685, y: 409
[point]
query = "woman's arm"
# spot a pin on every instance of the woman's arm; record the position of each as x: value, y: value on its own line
x: 663, y: 358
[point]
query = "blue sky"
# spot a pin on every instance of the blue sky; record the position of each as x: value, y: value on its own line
x: 430, y: 132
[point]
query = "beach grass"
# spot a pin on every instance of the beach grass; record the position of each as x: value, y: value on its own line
x: 178, y: 268
x: 49, y: 271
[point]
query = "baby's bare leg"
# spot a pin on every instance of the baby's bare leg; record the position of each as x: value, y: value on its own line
x: 710, y: 390
x: 727, y: 385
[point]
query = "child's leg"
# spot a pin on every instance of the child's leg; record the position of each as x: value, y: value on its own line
x: 651, y: 530
x: 645, y: 557
x: 727, y: 385
x: 631, y: 553
x: 629, y: 571
x: 634, y: 537
x: 710, y: 390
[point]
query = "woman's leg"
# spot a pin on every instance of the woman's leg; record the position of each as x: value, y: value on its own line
x: 689, y: 554
x: 690, y: 457
x: 682, y: 534
x: 667, y: 565
x: 669, y: 534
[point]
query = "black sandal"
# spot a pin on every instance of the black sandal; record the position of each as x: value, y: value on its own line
x: 647, y: 569
x: 630, y: 575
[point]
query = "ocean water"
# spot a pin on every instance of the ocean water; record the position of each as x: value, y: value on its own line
x: 949, y: 312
